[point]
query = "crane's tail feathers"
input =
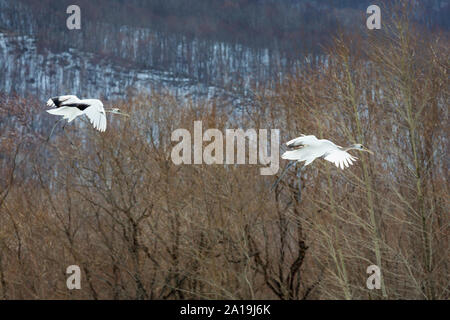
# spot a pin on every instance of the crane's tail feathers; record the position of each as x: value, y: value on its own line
x: 55, y: 111
x: 58, y: 112
x: 298, y: 155
x: 67, y: 112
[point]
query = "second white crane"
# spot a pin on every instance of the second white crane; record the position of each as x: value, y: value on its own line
x: 311, y: 148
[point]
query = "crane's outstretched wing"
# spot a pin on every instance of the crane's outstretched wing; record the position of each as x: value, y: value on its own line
x: 62, y: 101
x: 340, y: 158
x: 302, y: 141
x: 96, y: 115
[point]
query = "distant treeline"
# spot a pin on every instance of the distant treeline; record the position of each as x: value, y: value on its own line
x: 182, y: 35
x: 141, y: 227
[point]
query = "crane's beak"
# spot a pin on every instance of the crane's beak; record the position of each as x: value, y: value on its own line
x: 367, y: 150
x: 123, y: 114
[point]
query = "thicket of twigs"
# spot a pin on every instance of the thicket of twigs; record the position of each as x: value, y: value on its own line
x: 141, y: 227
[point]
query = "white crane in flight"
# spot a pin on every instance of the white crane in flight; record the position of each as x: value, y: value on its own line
x: 311, y: 148
x: 70, y: 107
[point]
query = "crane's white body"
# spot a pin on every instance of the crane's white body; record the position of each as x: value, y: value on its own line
x: 71, y: 107
x: 313, y: 148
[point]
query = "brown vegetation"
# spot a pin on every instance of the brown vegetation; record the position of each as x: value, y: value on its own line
x: 141, y: 227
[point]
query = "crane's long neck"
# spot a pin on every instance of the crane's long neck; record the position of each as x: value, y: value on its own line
x: 349, y: 148
x: 116, y: 111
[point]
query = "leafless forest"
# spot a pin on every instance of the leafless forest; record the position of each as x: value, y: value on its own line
x: 141, y: 227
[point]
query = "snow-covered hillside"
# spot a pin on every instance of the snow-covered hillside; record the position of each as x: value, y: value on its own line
x: 24, y: 70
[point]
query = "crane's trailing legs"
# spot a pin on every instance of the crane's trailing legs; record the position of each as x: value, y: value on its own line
x: 63, y: 128
x: 290, y: 164
x: 299, y: 176
x: 54, y: 126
